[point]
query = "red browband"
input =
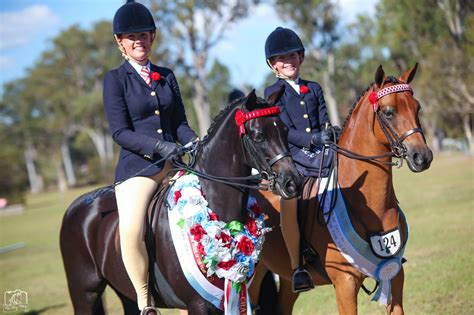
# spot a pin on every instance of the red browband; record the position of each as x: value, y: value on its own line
x: 241, y: 117
x: 375, y: 96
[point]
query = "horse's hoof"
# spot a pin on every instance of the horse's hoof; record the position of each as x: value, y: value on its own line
x: 301, y: 280
x: 150, y: 310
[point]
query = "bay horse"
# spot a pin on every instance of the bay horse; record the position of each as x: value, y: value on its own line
x: 381, y: 125
x: 246, y: 134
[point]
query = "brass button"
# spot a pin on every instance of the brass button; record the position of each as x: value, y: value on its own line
x: 153, y: 93
x: 308, y: 130
x: 147, y: 156
x: 305, y: 116
x: 160, y: 131
x: 302, y: 103
x: 157, y: 112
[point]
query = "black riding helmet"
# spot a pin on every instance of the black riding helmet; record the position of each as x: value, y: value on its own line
x: 282, y: 41
x: 133, y: 17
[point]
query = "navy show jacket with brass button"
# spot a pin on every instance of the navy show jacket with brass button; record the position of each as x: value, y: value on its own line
x: 140, y: 115
x: 303, y: 114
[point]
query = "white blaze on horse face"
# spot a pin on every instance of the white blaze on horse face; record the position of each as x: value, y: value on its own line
x: 275, y: 124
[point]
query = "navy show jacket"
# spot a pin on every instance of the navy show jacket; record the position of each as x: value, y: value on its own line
x: 140, y: 115
x: 303, y: 114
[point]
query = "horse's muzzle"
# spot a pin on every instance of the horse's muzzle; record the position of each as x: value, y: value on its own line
x: 290, y: 187
x: 419, y: 159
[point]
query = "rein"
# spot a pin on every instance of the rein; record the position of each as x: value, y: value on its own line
x: 264, y: 165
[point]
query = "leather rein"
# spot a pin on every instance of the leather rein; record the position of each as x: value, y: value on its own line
x: 263, y: 164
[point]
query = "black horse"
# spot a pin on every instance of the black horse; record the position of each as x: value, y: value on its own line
x: 89, y: 234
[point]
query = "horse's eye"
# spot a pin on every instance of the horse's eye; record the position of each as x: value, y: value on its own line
x: 389, y: 113
x: 259, y: 137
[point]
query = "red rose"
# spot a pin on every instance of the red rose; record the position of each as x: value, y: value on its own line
x: 304, y: 89
x: 197, y: 231
x: 226, y: 265
x: 226, y: 239
x: 256, y: 209
x: 177, y: 195
x: 213, y: 216
x: 373, y: 98
x: 245, y: 246
x: 252, y: 226
x: 155, y: 76
x: 201, y: 250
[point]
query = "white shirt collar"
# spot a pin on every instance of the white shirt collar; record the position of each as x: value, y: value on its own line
x: 138, y: 67
x: 294, y: 84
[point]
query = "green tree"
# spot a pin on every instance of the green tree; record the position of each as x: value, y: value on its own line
x: 316, y: 22
x: 195, y: 27
x: 437, y: 34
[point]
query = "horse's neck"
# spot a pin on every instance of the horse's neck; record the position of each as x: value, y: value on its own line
x: 222, y: 155
x: 367, y: 186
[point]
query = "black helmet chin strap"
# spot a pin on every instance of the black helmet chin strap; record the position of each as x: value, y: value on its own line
x: 277, y: 74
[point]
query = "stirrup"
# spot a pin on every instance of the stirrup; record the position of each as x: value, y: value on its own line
x: 301, y: 280
x: 150, y: 309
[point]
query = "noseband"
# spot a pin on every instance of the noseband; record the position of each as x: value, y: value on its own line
x: 399, y: 150
x: 264, y: 164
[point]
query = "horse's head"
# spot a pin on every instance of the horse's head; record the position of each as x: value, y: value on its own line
x: 398, y: 125
x: 266, y: 145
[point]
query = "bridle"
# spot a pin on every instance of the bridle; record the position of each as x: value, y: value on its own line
x: 263, y: 164
x: 397, y: 148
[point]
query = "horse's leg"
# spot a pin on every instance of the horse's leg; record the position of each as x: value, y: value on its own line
x: 254, y: 289
x: 86, y: 293
x: 130, y: 307
x: 396, y: 306
x: 268, y: 295
x: 347, y: 286
x: 86, y: 285
x: 286, y: 297
x: 198, y: 306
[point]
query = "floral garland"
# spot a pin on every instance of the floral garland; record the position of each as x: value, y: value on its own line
x: 228, y: 250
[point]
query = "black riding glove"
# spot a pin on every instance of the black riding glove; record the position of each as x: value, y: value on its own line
x: 322, y: 137
x: 165, y: 149
x: 337, y: 131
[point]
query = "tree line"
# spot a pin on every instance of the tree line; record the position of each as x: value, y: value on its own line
x: 54, y: 133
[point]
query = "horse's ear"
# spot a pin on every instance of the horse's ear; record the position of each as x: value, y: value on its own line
x: 251, y: 100
x: 408, y: 75
x: 275, y: 97
x: 379, y: 76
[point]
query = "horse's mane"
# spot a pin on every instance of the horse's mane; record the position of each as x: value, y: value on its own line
x: 389, y: 79
x: 261, y: 103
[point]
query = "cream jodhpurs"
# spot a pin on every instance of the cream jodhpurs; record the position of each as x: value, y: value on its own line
x: 133, y: 196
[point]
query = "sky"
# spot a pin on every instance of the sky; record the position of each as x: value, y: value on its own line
x: 28, y: 26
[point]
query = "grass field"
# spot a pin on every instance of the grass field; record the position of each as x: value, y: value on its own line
x: 438, y: 204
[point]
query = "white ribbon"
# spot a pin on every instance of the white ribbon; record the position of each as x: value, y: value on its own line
x: 354, y: 248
